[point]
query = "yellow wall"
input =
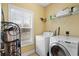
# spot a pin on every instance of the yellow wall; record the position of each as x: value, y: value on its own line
x: 68, y: 23
x: 5, y: 10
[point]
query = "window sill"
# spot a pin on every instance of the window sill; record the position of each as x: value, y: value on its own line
x: 26, y: 43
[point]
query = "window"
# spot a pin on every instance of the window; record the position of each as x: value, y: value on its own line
x: 24, y: 18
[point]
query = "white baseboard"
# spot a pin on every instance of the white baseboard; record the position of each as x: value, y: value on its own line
x: 28, y: 53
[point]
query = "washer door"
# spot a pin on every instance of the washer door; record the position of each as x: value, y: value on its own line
x: 58, y: 50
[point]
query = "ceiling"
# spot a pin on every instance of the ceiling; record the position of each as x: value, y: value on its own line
x: 43, y: 4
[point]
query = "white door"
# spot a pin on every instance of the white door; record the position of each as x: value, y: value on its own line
x: 57, y: 49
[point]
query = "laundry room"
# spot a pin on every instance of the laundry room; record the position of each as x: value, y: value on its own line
x: 39, y: 29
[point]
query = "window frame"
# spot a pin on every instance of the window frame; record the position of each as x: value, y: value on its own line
x: 30, y: 41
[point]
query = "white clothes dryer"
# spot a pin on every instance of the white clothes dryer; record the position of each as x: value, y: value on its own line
x: 42, y: 43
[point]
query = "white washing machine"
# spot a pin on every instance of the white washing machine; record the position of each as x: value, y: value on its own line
x: 42, y: 43
x: 64, y: 46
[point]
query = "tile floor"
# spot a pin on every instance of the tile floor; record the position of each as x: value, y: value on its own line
x: 34, y: 54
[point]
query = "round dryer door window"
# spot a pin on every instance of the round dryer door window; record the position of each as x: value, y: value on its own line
x: 59, y: 50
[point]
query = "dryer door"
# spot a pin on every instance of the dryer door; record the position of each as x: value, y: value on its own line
x: 58, y: 50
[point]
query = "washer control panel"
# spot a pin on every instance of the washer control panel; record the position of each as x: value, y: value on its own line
x: 64, y: 41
